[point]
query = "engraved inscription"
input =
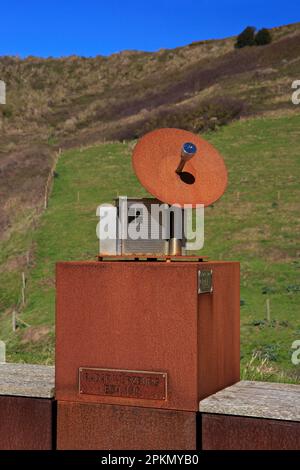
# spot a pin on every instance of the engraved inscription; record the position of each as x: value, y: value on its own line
x: 123, y: 383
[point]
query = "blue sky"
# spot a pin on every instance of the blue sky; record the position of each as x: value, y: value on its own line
x: 89, y: 27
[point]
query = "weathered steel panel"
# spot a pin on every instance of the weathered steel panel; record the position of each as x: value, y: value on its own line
x: 218, y: 330
x: 222, y: 432
x: 26, y: 423
x: 148, y: 316
x: 95, y: 426
x: 132, y: 316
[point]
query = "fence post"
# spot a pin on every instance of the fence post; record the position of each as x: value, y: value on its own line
x: 50, y: 179
x: 14, y: 320
x: 268, y: 310
x: 23, y: 288
x: 2, y: 352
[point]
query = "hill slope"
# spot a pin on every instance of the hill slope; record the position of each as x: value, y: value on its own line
x: 82, y: 100
x: 255, y: 222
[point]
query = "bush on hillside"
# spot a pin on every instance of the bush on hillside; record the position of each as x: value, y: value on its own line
x: 262, y: 37
x: 246, y: 38
x: 208, y: 115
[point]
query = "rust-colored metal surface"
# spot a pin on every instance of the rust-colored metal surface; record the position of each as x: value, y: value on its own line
x: 148, y: 316
x: 93, y: 426
x: 156, y: 157
x: 26, y: 423
x: 224, y: 432
x: 123, y: 383
x: 218, y: 330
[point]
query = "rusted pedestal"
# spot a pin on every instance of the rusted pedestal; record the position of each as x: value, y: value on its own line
x: 27, y: 410
x: 138, y: 335
x: 97, y: 426
x: 252, y: 416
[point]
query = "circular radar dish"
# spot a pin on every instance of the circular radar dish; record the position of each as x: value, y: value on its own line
x: 179, y: 167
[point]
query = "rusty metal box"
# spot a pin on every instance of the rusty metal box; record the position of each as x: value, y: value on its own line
x: 27, y: 408
x: 140, y: 333
x: 118, y: 427
x: 26, y: 423
x: 225, y: 432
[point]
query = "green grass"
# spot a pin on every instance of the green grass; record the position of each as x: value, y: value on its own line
x: 13, y: 252
x: 256, y: 222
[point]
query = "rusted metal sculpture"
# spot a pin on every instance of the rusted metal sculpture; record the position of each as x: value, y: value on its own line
x: 138, y: 344
x: 182, y: 171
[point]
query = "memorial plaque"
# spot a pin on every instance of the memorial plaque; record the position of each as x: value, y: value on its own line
x: 123, y: 383
x: 205, y: 281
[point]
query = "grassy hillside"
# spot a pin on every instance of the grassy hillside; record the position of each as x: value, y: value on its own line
x: 256, y: 222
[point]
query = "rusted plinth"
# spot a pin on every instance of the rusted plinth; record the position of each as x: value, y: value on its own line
x: 25, y: 423
x: 252, y: 415
x: 141, y: 336
x: 115, y: 427
x: 146, y: 316
x: 27, y: 409
x: 222, y: 432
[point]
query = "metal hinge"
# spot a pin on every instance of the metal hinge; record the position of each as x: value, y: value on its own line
x: 205, y: 285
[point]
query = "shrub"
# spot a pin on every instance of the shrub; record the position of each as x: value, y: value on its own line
x: 192, y: 117
x: 7, y: 112
x: 262, y: 37
x: 246, y: 38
